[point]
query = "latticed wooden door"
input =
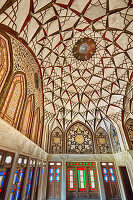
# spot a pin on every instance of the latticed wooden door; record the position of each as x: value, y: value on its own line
x: 54, y: 181
x: 82, y: 181
x: 110, y: 181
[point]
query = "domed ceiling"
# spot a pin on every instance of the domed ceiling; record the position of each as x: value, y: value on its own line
x: 84, y: 48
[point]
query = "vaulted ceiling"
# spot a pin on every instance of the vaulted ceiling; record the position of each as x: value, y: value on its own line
x: 75, y: 89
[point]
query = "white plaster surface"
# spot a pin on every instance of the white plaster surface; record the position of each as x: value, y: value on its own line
x: 12, y: 140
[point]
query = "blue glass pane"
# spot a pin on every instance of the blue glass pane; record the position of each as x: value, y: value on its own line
x: 104, y: 170
x: 106, y: 179
x: 58, y: 171
x: 51, y: 170
x: 111, y: 171
x: 58, y: 178
x: 2, y: 173
x: 51, y: 178
x: 2, y: 182
x: 113, y: 178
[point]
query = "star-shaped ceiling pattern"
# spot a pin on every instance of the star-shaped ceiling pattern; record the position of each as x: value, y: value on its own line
x: 72, y: 87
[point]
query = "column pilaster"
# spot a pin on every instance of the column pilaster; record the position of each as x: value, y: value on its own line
x: 63, y: 188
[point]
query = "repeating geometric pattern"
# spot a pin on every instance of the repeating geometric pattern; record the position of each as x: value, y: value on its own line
x: 79, y: 139
x: 56, y: 141
x: 103, y: 143
x: 73, y: 88
x: 129, y: 131
x: 116, y: 143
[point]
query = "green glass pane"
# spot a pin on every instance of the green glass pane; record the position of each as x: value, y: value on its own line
x: 79, y: 178
x: 84, y: 179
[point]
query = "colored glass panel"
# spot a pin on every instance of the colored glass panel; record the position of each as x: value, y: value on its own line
x: 105, y: 173
x: 2, y: 178
x: 71, y: 179
x: 57, y: 175
x: 112, y: 175
x: 93, y: 186
x: 37, y: 177
x: 80, y: 164
x: 51, y: 175
x: 14, y: 185
x: 29, y: 182
x: 81, y: 179
x: 19, y: 184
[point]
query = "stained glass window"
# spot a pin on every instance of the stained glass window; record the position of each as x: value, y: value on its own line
x: 12, y: 195
x: 54, y: 181
x: 80, y: 164
x: 80, y: 176
x: 112, y: 175
x: 6, y: 159
x: 2, y: 178
x: 51, y: 174
x: 108, y: 172
x: 71, y: 179
x: 29, y: 183
x: 81, y: 179
x: 37, y: 177
x: 36, y: 182
x: 57, y: 174
x: 105, y: 172
x: 19, y: 184
x: 110, y: 180
x: 92, y: 179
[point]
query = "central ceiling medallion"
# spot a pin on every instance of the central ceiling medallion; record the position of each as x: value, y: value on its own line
x: 84, y: 49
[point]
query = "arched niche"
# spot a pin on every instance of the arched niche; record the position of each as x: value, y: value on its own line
x: 5, y: 59
x: 79, y: 139
x: 56, y: 141
x: 15, y: 99
x: 102, y: 142
x: 129, y: 131
x: 35, y: 125
x: 28, y: 116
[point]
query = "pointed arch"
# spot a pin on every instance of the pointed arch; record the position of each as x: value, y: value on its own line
x: 5, y: 58
x: 40, y: 132
x: 56, y: 141
x: 28, y: 116
x: 79, y: 139
x: 129, y: 131
x: 14, y: 103
x: 102, y: 141
x: 35, y: 126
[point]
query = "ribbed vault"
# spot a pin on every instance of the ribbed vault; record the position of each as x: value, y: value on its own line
x: 74, y: 89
